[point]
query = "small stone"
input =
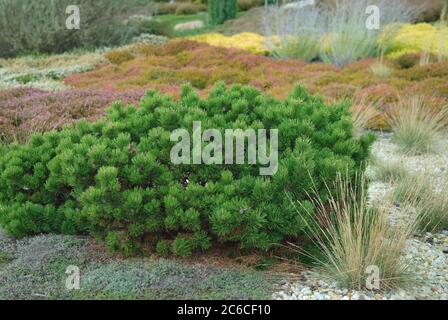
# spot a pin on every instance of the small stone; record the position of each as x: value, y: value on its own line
x: 344, y: 291
x: 445, y: 250
x: 306, y: 291
x: 355, y: 296
x: 436, y: 290
x: 322, y: 284
x: 319, y: 296
x: 439, y: 262
x: 196, y: 24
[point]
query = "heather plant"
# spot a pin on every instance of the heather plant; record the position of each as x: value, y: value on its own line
x: 381, y: 70
x: 118, y: 56
x: 181, y: 61
x: 114, y: 178
x: 249, y: 41
x: 28, y: 26
x: 424, y: 72
x: 46, y: 72
x: 150, y: 39
x: 69, y: 60
x: 25, y: 110
x: 167, y: 67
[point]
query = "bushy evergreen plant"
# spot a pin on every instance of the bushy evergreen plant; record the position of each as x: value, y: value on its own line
x: 114, y: 178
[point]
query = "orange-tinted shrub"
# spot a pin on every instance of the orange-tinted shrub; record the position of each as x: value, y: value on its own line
x: 119, y: 56
x: 418, y: 73
x: 168, y: 66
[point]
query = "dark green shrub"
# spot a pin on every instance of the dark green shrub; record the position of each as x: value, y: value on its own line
x: 29, y: 26
x: 114, y: 178
x: 409, y: 60
x: 163, y: 248
x: 222, y: 10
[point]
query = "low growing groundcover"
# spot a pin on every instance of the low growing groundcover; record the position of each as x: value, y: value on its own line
x: 35, y: 268
x: 169, y: 66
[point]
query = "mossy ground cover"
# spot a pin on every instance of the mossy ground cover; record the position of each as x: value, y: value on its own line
x: 34, y: 268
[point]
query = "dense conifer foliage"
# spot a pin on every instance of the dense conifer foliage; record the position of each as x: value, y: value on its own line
x: 114, y: 178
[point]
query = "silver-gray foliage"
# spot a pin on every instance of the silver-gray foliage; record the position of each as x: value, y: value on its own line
x: 30, y: 26
x: 334, y: 31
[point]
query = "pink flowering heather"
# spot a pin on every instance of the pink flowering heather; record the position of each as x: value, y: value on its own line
x: 26, y: 110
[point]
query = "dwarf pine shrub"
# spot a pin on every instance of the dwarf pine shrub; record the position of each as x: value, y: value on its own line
x: 114, y: 178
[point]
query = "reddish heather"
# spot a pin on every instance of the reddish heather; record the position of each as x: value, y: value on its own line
x: 168, y: 67
x: 26, y: 110
x: 180, y: 62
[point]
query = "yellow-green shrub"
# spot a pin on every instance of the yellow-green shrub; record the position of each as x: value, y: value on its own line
x: 421, y: 37
x: 119, y: 56
x: 249, y: 41
x: 411, y: 38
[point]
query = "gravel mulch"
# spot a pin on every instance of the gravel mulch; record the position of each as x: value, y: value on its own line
x: 426, y: 255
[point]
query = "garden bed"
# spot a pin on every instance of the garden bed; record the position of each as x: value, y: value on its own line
x: 92, y: 178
